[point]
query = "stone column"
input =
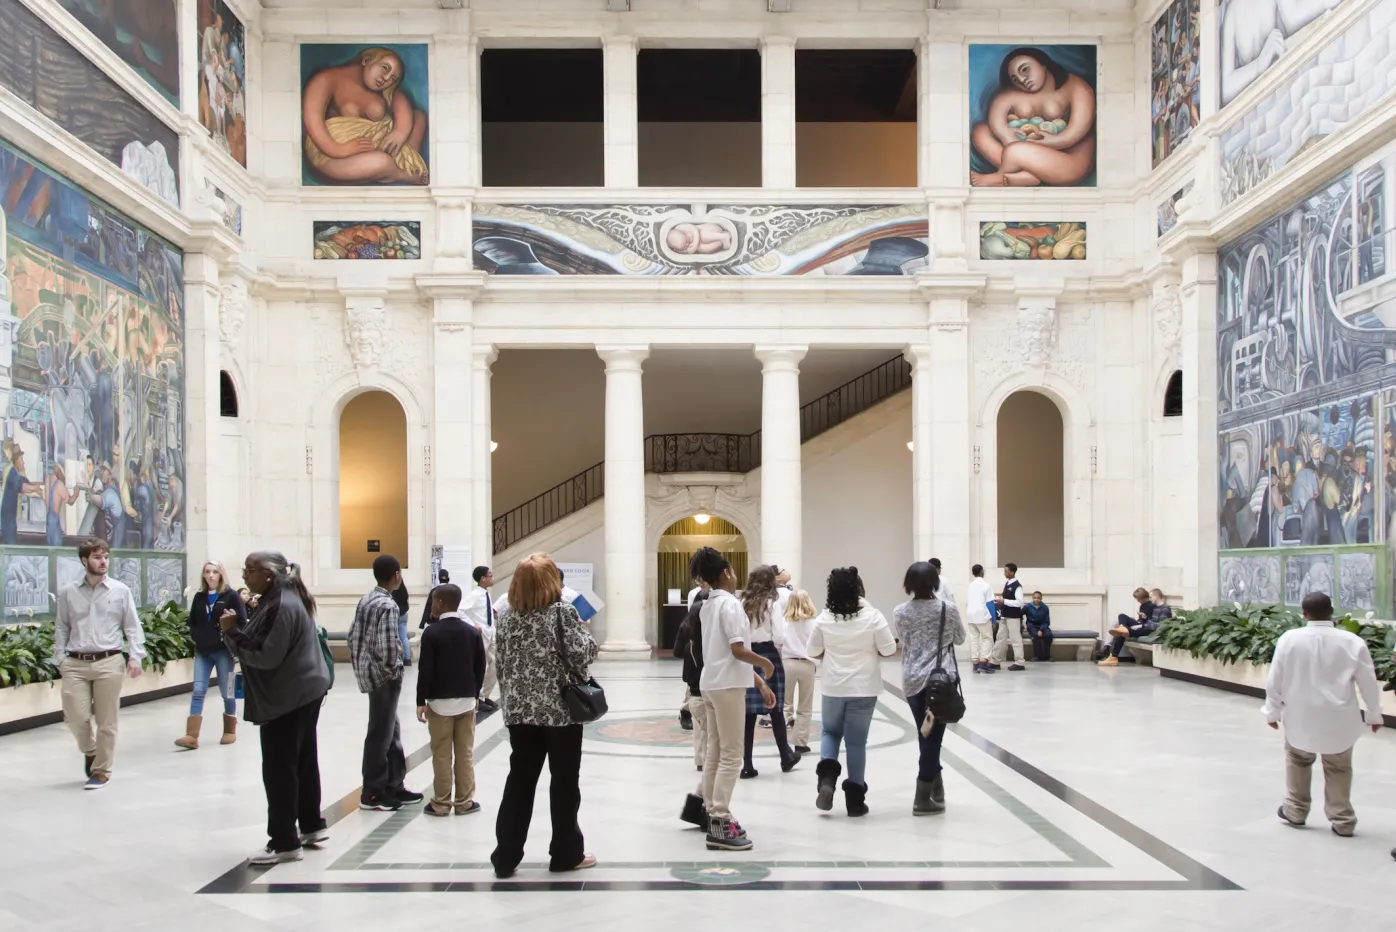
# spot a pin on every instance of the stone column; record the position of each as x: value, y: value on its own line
x: 948, y: 422
x: 455, y: 88
x: 922, y: 486
x: 482, y: 356
x: 202, y: 364
x: 778, y: 112
x: 622, y: 113
x: 941, y: 132
x: 1198, y: 294
x: 453, y: 426
x: 782, y: 503
x: 625, y: 500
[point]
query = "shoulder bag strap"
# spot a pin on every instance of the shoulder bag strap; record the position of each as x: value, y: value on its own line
x: 567, y: 676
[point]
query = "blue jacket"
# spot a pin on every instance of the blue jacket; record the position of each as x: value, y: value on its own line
x: 1039, y: 615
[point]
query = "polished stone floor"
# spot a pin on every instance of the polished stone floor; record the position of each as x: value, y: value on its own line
x: 1078, y: 798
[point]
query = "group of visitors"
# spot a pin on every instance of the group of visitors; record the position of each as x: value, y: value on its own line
x: 996, y: 622
x: 1153, y: 611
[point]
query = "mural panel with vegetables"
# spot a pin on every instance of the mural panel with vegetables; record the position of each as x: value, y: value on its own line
x: 1060, y: 240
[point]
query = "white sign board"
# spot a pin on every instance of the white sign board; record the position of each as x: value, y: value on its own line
x: 579, y: 576
x: 456, y: 561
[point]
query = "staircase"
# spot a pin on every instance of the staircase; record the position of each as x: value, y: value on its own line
x: 683, y: 453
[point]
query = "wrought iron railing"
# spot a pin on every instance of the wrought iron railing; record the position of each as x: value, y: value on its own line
x: 676, y: 453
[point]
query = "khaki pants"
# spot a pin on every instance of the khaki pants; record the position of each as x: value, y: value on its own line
x: 799, y: 674
x: 695, y: 707
x: 491, y: 668
x: 452, y: 733
x: 92, y: 691
x: 981, y: 640
x: 1337, y: 787
x: 726, y: 712
x: 1010, y: 634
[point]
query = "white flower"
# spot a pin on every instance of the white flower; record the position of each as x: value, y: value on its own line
x: 1238, y: 604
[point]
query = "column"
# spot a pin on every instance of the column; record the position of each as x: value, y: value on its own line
x: 622, y: 113
x: 455, y: 88
x: 482, y: 356
x: 949, y: 426
x: 202, y: 363
x: 453, y: 426
x: 625, y: 500
x: 782, y: 502
x: 940, y: 118
x: 922, y: 488
x: 778, y: 112
x: 1198, y: 294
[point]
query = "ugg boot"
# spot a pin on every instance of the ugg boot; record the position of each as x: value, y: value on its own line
x: 930, y: 797
x: 230, y: 729
x: 854, y: 796
x: 827, y: 773
x: 190, y: 741
x: 694, y: 812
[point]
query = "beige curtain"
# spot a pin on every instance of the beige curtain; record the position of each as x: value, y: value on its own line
x: 673, y: 572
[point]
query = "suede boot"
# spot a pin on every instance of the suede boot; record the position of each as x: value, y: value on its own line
x: 854, y: 797
x: 230, y: 729
x: 930, y: 797
x: 192, y: 726
x: 827, y: 773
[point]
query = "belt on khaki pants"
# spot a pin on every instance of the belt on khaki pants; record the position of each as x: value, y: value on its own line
x: 93, y: 658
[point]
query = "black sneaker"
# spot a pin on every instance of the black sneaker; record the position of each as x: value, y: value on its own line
x: 749, y: 773
x: 380, y: 803
x: 430, y: 809
x: 722, y: 836
x: 802, y: 749
x: 1016, y: 667
x: 489, y: 705
x: 788, y: 764
x: 407, y: 797
x: 764, y: 721
x: 992, y: 666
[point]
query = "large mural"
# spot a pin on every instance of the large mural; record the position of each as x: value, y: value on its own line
x: 144, y: 33
x: 696, y: 239
x: 42, y: 69
x: 1032, y: 115
x: 364, y: 114
x: 223, y: 77
x: 91, y: 384
x: 1307, y: 398
x: 1252, y: 35
x: 1177, y: 71
x: 1343, y: 80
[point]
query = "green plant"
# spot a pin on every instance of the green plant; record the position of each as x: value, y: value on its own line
x: 167, y: 638
x: 26, y: 651
x: 1228, y: 633
x: 1381, y: 641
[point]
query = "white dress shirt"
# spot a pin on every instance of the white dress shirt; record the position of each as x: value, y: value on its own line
x: 852, y: 647
x: 92, y: 619
x: 724, y: 624
x: 797, y: 635
x: 1312, y: 688
x: 977, y: 601
x: 944, y: 593
x: 476, y: 608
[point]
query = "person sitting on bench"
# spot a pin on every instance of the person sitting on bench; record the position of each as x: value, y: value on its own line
x: 1131, y: 628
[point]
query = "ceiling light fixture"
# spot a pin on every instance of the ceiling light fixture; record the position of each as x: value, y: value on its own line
x: 911, y: 445
x: 702, y: 519
x: 493, y: 446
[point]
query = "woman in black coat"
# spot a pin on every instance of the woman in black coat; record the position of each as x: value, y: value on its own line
x: 212, y: 600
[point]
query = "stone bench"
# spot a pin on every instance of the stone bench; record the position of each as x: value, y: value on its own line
x: 1070, y: 645
x: 1142, y: 650
x: 339, y: 644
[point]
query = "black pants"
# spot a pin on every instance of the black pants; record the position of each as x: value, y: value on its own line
x: 1135, y: 629
x: 384, y: 763
x: 529, y: 745
x: 928, y: 766
x: 1041, y: 641
x: 777, y: 731
x: 291, y: 775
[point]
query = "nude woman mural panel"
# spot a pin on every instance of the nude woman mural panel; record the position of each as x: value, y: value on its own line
x: 364, y: 114
x: 1032, y: 115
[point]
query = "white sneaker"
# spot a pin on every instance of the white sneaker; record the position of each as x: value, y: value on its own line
x: 316, y: 838
x: 267, y: 857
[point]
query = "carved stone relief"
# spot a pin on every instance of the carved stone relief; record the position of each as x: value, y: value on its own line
x: 365, y: 331
x: 1008, y: 340
x: 233, y: 302
x: 1167, y: 308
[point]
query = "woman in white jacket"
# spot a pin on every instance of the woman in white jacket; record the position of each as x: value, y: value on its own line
x: 851, y: 637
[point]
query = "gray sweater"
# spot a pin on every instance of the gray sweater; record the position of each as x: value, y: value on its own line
x: 282, y: 666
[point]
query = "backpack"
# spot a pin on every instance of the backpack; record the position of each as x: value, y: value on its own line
x: 324, y: 637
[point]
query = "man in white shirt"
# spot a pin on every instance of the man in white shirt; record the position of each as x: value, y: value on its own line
x: 981, y: 625
x: 1314, y: 678
x: 478, y: 608
x: 92, y: 617
x: 943, y: 593
x: 1010, y: 633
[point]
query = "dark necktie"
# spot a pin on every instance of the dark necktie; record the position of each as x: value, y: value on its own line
x: 489, y: 611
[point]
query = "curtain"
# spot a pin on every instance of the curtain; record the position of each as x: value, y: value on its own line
x: 673, y: 572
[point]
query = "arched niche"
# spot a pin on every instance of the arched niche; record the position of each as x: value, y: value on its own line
x: 373, y: 485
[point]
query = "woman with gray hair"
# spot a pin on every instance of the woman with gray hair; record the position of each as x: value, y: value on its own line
x: 285, y: 680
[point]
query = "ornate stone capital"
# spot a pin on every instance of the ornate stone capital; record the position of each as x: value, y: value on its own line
x: 365, y: 330
x: 1037, y: 330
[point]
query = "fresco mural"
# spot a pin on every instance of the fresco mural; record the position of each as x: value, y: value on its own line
x: 1252, y: 34
x: 1168, y: 210
x: 377, y: 239
x: 697, y: 239
x: 229, y: 210
x: 1177, y: 71
x: 364, y: 114
x: 223, y: 77
x: 1032, y: 115
x: 43, y: 70
x: 91, y: 378
x: 1250, y: 578
x: 1032, y: 240
x: 1334, y: 87
x: 144, y: 33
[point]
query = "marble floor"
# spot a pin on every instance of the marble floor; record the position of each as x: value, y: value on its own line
x: 1078, y: 797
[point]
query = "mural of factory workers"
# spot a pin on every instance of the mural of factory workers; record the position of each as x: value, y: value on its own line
x: 40, y: 68
x: 223, y: 78
x: 1032, y: 240
x: 1177, y: 72
x: 143, y: 33
x: 337, y: 239
x: 364, y: 114
x: 1032, y: 115
x: 91, y: 371
x: 1252, y: 35
x: 713, y: 239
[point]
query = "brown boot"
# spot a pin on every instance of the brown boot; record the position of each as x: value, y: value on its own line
x: 1109, y: 661
x: 190, y: 741
x: 230, y: 729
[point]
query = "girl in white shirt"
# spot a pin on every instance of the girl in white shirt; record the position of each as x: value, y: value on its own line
x: 759, y: 599
x: 851, y: 637
x: 800, y: 670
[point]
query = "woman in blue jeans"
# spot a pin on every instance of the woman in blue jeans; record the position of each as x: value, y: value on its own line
x: 212, y: 600
x: 928, y: 629
x: 851, y: 637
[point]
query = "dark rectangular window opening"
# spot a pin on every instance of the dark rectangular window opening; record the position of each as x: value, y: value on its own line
x: 700, y: 117
x: 542, y: 114
x: 855, y: 118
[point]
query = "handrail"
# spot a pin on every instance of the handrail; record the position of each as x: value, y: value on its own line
x: 675, y: 453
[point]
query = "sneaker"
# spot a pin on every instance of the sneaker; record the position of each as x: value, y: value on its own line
x: 1016, y: 667
x: 379, y: 803
x: 468, y: 809
x: 407, y: 797
x: 96, y: 782
x: 979, y: 668
x: 991, y: 666
x: 788, y: 764
x: 802, y: 749
x: 87, y: 761
x: 1340, y: 834
x: 430, y: 809
x: 764, y: 721
x: 267, y: 857
x: 749, y: 773
x: 316, y: 838
x: 1286, y: 819
x: 722, y: 836
x: 488, y: 705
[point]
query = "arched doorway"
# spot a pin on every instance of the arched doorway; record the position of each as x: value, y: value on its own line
x: 677, y: 545
x: 1031, y: 484
x: 372, y: 480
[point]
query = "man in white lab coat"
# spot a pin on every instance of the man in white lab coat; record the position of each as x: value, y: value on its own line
x: 477, y: 608
x: 1315, y: 676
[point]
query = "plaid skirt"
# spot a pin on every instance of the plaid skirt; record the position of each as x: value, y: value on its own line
x: 755, y: 705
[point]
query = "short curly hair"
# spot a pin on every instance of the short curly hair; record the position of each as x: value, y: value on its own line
x: 845, y: 591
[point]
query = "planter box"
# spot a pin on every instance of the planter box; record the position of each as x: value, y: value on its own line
x: 37, y: 704
x: 1245, y: 677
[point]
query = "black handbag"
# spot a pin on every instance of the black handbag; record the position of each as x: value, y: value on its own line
x: 585, y: 699
x: 944, y: 697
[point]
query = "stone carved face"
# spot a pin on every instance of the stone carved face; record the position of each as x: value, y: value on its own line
x: 364, y: 329
x: 1035, y: 333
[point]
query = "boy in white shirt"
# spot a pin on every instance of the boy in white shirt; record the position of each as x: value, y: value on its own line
x: 981, y: 625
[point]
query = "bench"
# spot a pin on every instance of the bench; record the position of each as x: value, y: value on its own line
x: 1070, y: 645
x: 1142, y: 650
x: 339, y: 644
